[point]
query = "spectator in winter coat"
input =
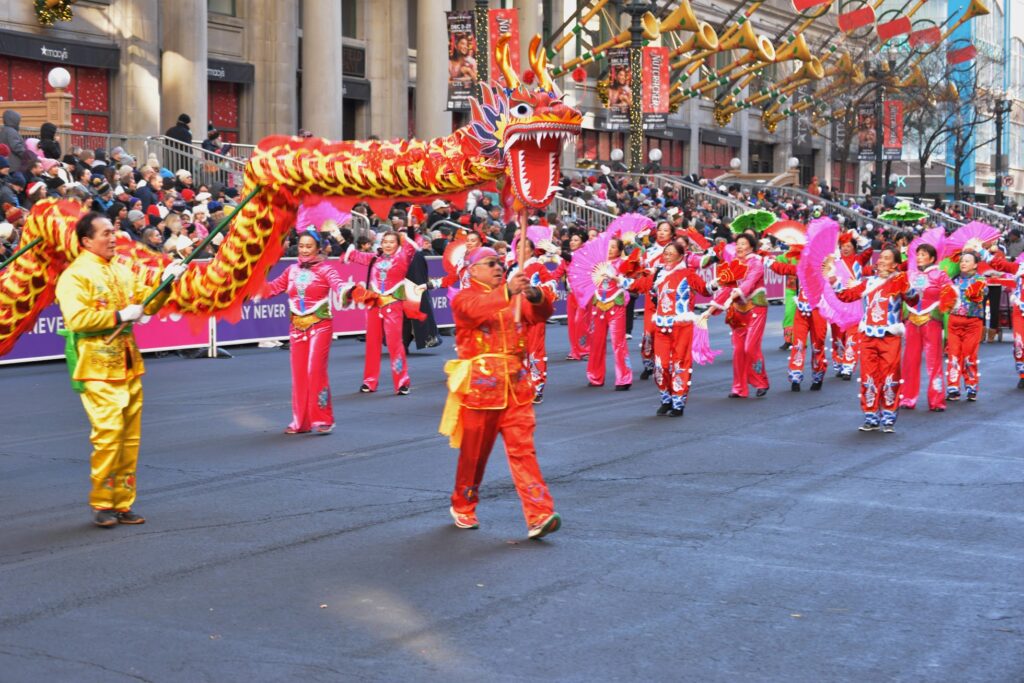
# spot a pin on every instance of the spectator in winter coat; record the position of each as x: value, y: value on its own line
x: 180, y: 130
x: 20, y: 156
x: 49, y: 145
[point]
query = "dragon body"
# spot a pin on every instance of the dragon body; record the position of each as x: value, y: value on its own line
x: 515, y: 133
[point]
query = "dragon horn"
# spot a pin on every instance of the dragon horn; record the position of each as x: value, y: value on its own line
x: 539, y: 64
x: 504, y: 63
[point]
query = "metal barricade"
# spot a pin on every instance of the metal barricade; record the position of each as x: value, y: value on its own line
x: 207, y: 168
x: 135, y: 145
x: 581, y: 213
x: 983, y: 214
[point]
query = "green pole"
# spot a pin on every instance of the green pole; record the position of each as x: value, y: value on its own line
x: 21, y: 251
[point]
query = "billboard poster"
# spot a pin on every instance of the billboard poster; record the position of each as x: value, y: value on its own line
x: 892, y: 130
x: 501, y: 21
x: 620, y: 90
x: 462, y: 67
x: 656, y: 88
x: 867, y: 134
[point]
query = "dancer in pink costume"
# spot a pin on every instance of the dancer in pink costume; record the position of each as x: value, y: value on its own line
x: 609, y: 317
x: 924, y: 329
x: 578, y: 317
x: 309, y: 284
x: 386, y: 300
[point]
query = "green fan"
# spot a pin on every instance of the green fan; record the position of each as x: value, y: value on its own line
x: 903, y: 214
x: 756, y: 220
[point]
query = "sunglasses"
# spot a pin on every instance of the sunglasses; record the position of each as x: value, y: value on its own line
x: 490, y: 263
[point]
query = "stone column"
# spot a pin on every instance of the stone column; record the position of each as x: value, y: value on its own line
x: 744, y: 153
x: 431, y: 71
x: 274, y: 51
x: 321, y: 68
x: 530, y: 25
x: 135, y: 86
x: 387, y: 67
x: 183, y: 84
x: 692, y: 106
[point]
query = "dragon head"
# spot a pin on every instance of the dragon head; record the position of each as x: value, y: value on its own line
x: 523, y: 130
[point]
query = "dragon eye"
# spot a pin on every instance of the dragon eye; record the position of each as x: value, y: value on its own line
x: 522, y: 110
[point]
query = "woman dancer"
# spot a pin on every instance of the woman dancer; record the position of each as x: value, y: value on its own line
x: 844, y: 342
x: 609, y: 311
x: 1016, y: 269
x: 673, y: 319
x: 883, y: 296
x: 924, y: 330
x: 745, y: 301
x: 578, y: 317
x: 966, y: 328
x: 309, y: 284
x: 383, y: 298
x: 807, y: 322
x: 652, y: 261
x: 545, y: 281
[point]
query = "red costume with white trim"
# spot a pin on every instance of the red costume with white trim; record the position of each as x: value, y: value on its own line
x: 844, y: 342
x: 924, y: 337
x: 1016, y: 308
x: 808, y: 321
x: 609, y: 317
x: 384, y: 313
x: 966, y: 326
x: 747, y: 317
x: 880, y: 330
x: 536, y: 346
x: 309, y: 287
x: 491, y: 393
x: 673, y: 319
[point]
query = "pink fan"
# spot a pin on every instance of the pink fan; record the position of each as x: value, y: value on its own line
x: 822, y: 242
x: 700, y: 345
x: 629, y: 224
x: 935, y: 237
x: 316, y: 210
x: 534, y: 233
x: 975, y: 236
x: 585, y: 260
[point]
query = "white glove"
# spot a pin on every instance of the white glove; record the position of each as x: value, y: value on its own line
x: 174, y: 270
x: 130, y: 313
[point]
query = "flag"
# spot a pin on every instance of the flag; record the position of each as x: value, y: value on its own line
x: 501, y: 21
x: 851, y: 21
x: 891, y: 29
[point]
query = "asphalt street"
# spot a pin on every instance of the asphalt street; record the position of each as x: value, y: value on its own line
x: 751, y: 540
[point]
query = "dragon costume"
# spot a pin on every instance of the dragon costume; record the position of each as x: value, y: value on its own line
x: 515, y: 135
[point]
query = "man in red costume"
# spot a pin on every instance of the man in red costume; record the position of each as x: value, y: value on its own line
x: 490, y: 390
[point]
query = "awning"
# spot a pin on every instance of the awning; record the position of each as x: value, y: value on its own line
x: 355, y: 89
x: 59, y: 50
x: 230, y: 72
x: 714, y: 137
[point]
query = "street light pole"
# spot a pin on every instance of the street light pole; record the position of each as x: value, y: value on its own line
x: 1001, y: 107
x: 481, y: 29
x: 636, y: 10
x: 879, y: 132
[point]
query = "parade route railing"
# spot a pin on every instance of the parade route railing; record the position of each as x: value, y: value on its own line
x: 852, y: 218
x: 983, y: 214
x: 207, y: 168
x: 590, y: 216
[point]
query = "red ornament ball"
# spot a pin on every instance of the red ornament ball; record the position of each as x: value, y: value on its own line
x: 579, y: 74
x: 528, y: 77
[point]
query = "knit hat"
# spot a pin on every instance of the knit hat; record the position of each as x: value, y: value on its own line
x: 203, y: 197
x: 102, y: 187
x: 14, y: 214
x: 16, y: 178
x: 188, y: 194
x: 215, y: 207
x: 184, y: 119
x: 135, y: 215
x: 6, y: 230
x: 117, y: 150
x: 479, y: 254
x: 4, y: 163
x: 35, y: 187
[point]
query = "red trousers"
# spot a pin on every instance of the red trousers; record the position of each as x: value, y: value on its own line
x: 537, y: 355
x: 880, y: 378
x: 815, y: 326
x: 1017, y: 323
x: 480, y: 429
x: 311, y: 390
x: 747, y: 356
x: 647, y: 340
x: 612, y: 321
x: 673, y: 363
x: 579, y: 328
x: 923, y: 340
x: 844, y: 349
x: 386, y: 322
x: 962, y: 344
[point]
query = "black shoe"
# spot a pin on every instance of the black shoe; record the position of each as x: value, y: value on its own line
x: 1020, y: 384
x: 846, y: 376
x: 762, y: 392
x: 675, y: 412
x: 972, y: 395
x: 622, y: 387
x: 595, y: 384
x: 816, y: 386
x: 105, y: 518
x: 646, y: 374
x: 795, y: 386
x: 785, y: 346
x: 733, y: 394
x: 538, y: 399
x: 937, y: 410
x: 365, y: 389
x: 664, y: 409
x: 129, y: 517
x: 403, y: 390
x: 432, y: 342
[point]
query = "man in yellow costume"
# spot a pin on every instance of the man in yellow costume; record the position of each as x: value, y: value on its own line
x: 96, y: 294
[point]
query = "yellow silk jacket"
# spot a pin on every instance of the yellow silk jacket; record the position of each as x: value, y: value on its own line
x: 90, y: 292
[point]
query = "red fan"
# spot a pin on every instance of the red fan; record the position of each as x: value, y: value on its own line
x: 590, y: 258
x: 790, y: 233
x: 696, y: 238
x: 974, y: 236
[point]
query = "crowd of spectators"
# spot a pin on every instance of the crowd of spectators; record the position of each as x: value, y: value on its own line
x: 162, y: 208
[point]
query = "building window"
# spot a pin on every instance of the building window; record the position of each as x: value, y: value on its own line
x: 221, y: 7
x: 22, y: 79
x: 350, y: 19
x: 223, y: 101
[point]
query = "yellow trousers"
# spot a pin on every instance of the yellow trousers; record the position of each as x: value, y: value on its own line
x: 115, y: 412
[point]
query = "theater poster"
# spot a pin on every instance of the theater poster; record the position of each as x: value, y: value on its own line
x: 867, y: 133
x: 656, y: 88
x: 501, y: 21
x: 462, y: 66
x: 620, y: 90
x: 892, y: 129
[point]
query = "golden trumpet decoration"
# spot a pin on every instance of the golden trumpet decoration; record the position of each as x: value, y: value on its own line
x: 651, y: 32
